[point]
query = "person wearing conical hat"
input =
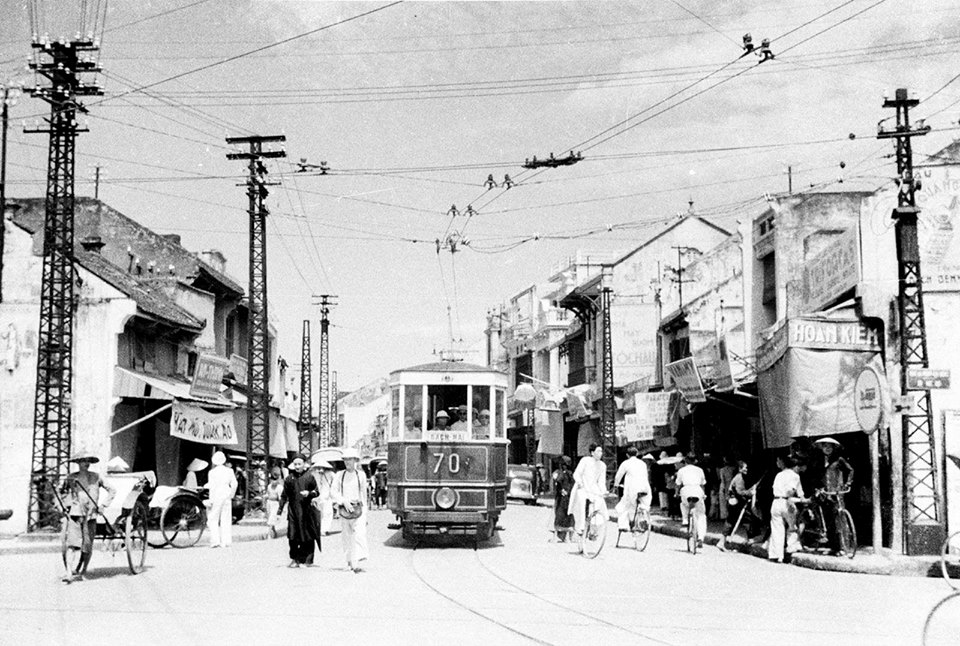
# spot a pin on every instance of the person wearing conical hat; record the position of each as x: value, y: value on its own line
x: 833, y: 476
x: 192, y: 469
x: 222, y: 485
x: 81, y: 503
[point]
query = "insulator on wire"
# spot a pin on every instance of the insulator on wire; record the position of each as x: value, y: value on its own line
x: 470, y: 211
x: 507, y: 182
x: 453, y: 211
x: 490, y: 184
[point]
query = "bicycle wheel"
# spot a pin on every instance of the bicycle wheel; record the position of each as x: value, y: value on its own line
x: 594, y: 534
x: 847, y: 533
x: 640, y: 527
x: 943, y: 623
x: 135, y: 537
x: 183, y: 521
x: 950, y: 560
x: 691, y: 533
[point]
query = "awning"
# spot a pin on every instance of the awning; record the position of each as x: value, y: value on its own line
x: 130, y: 383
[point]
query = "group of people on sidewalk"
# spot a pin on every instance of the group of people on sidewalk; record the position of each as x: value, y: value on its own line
x: 308, y: 483
x: 829, y: 471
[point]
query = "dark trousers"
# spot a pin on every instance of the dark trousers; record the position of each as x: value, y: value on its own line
x: 829, y: 507
x: 301, y: 551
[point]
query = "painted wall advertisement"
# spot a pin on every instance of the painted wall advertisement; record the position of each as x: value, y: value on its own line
x: 633, y: 336
x: 832, y: 272
x: 197, y: 425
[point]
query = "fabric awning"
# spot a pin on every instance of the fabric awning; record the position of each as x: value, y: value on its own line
x: 130, y: 383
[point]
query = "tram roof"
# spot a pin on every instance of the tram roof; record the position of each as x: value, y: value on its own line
x: 449, y: 366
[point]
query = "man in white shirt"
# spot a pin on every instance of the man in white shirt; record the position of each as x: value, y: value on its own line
x: 787, y: 491
x: 633, y: 474
x: 690, y: 483
x: 590, y: 483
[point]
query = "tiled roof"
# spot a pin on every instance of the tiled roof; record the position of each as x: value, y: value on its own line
x: 120, y: 233
x: 149, y: 298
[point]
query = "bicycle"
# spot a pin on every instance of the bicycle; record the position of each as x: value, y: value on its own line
x: 950, y: 560
x: 594, y: 531
x: 639, y: 525
x: 693, y: 541
x: 812, y: 524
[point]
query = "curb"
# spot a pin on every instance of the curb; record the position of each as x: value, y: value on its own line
x: 866, y: 562
x: 50, y: 543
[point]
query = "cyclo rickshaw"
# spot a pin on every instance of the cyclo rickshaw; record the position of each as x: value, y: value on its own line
x: 122, y: 525
x: 178, y: 516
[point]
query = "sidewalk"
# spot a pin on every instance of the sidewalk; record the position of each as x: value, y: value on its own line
x: 865, y: 562
x: 248, y: 529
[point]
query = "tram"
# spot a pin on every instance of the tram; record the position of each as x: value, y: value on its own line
x: 447, y: 450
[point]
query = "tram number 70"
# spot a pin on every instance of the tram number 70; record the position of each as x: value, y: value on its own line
x: 453, y: 462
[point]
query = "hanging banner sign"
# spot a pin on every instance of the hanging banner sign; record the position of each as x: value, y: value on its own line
x: 238, y: 366
x: 208, y: 376
x: 686, y: 377
x: 197, y: 425
x: 655, y: 407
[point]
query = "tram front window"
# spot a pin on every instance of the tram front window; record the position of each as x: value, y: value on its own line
x: 451, y: 401
x: 412, y: 411
x: 481, y: 413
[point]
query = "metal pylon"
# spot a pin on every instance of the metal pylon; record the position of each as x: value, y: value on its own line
x: 334, y: 420
x: 326, y: 301
x: 258, y: 351
x: 52, y: 425
x: 306, y: 394
x: 923, y: 522
x: 608, y: 408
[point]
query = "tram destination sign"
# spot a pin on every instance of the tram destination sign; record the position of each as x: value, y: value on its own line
x: 927, y: 379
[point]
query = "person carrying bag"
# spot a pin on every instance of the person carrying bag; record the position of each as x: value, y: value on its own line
x: 349, y: 493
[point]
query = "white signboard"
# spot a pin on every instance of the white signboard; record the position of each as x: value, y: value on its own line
x: 832, y: 272
x: 446, y: 436
x: 866, y: 400
x: 637, y: 428
x: 687, y: 379
x: 655, y: 407
x: 633, y: 330
x: 197, y: 425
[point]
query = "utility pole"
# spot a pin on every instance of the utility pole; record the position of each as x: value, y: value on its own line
x: 4, y: 115
x: 96, y: 182
x: 306, y: 395
x: 334, y: 419
x: 923, y: 509
x: 679, y: 271
x: 258, y: 351
x: 326, y: 302
x: 608, y: 408
x: 52, y: 426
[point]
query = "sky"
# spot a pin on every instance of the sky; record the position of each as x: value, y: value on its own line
x: 413, y: 105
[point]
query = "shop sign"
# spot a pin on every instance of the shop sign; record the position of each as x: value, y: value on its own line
x: 686, y: 377
x: 927, y: 379
x: 637, y: 428
x: 655, y: 407
x: 208, y: 376
x: 866, y: 400
x: 197, y: 425
x: 238, y: 366
x: 832, y: 272
x: 825, y: 334
x: 772, y: 349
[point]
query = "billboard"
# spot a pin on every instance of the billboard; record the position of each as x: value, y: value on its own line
x: 633, y: 334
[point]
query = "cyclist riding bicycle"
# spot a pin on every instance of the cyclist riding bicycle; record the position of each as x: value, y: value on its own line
x: 590, y: 483
x: 636, y: 480
x: 690, y: 482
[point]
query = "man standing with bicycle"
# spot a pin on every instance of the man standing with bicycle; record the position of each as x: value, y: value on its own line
x: 590, y: 483
x: 633, y: 474
x: 836, y: 479
x: 691, y: 481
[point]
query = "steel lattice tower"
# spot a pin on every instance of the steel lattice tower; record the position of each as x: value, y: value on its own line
x: 326, y: 301
x: 306, y: 394
x: 334, y: 420
x: 924, y: 523
x: 52, y: 425
x: 258, y: 351
x: 608, y: 409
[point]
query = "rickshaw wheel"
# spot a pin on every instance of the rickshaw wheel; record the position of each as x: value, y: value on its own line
x: 82, y: 563
x: 135, y: 537
x: 183, y: 521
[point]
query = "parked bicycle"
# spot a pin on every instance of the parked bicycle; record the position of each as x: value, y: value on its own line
x: 812, y: 524
x: 639, y: 525
x: 594, y: 530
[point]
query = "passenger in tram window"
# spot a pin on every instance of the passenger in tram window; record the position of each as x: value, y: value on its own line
x: 411, y: 429
x: 461, y: 423
x: 440, y: 424
x: 481, y: 427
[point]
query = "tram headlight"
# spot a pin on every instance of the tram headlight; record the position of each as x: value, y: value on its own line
x: 445, y: 498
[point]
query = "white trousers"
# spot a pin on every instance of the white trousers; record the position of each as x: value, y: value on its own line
x: 783, y: 528
x: 220, y: 522
x: 701, y: 511
x: 580, y: 508
x: 354, y: 533
x: 273, y: 506
x: 627, y: 506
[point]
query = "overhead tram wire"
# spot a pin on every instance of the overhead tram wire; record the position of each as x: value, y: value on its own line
x: 160, y: 14
x: 316, y: 258
x: 704, y: 21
